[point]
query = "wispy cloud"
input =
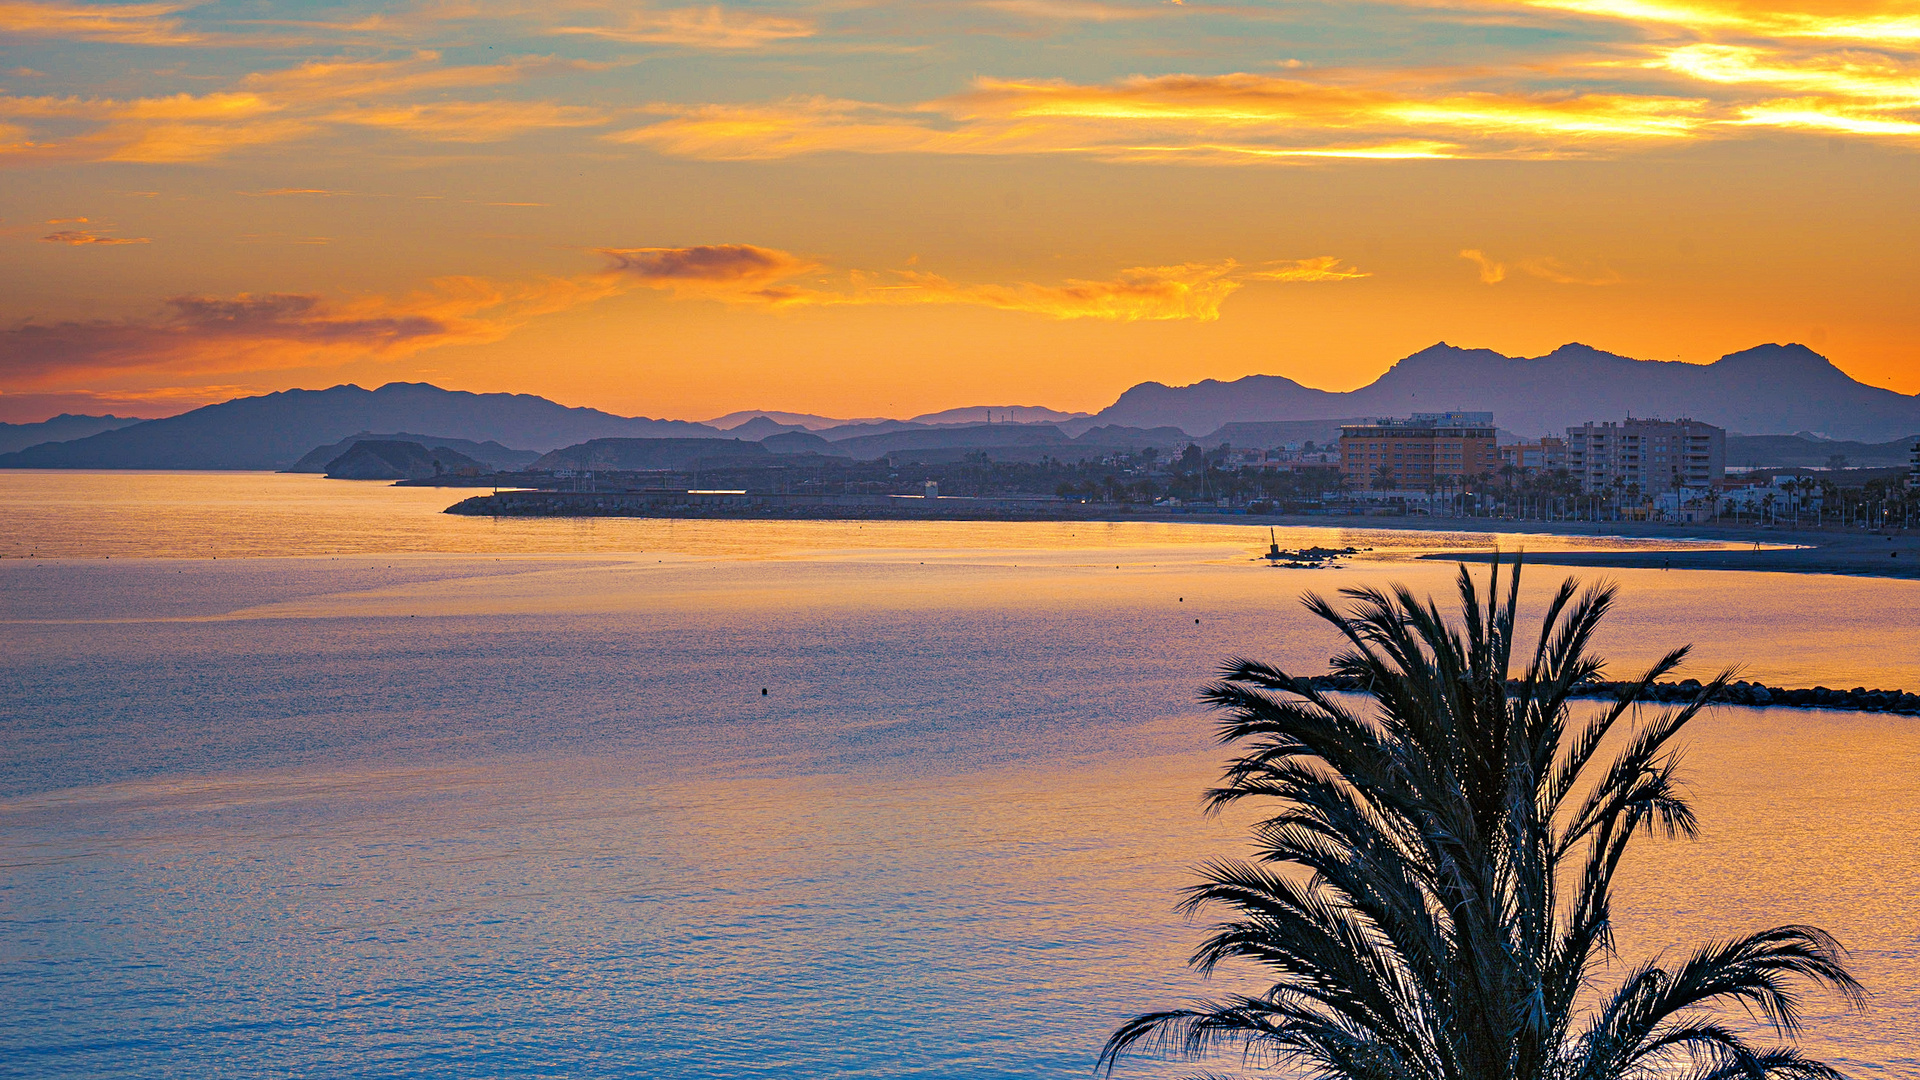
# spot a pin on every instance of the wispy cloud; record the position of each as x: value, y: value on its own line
x: 122, y: 24
x: 296, y: 103
x: 747, y: 274
x: 712, y: 27
x: 85, y: 237
x: 1562, y: 109
x: 1756, y: 20
x: 1491, y: 273
x: 261, y: 331
x: 1097, y: 11
x: 705, y: 267
x: 1546, y: 268
x: 1229, y: 118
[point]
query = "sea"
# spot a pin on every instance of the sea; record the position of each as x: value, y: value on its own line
x: 306, y: 778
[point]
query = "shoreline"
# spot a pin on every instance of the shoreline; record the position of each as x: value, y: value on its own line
x: 1830, y: 550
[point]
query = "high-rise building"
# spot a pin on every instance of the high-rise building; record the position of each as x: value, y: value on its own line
x: 1647, y: 456
x: 1413, y: 453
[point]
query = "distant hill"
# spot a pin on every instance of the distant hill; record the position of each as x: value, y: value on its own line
x: 799, y: 442
x: 641, y: 455
x: 1761, y: 451
x: 977, y: 437
x: 856, y: 429
x: 810, y: 421
x: 1275, y: 433
x: 59, y: 429
x: 1763, y: 389
x: 276, y: 430
x: 762, y: 426
x: 495, y: 457
x: 1121, y: 437
x: 393, y: 459
x: 997, y: 414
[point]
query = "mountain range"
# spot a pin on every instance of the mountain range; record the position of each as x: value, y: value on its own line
x: 1764, y: 390
x: 275, y: 430
x: 1770, y: 388
x: 59, y: 429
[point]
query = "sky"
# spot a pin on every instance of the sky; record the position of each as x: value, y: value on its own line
x: 883, y: 208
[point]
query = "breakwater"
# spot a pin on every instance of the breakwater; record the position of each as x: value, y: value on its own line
x: 1858, y: 699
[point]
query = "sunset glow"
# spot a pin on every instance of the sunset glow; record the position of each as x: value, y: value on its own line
x: 903, y: 208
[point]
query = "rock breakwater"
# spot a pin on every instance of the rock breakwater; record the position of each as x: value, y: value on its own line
x: 1858, y: 699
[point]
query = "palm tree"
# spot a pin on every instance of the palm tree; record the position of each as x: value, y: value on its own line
x: 1434, y: 891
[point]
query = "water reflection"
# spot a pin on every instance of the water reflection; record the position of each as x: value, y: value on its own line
x: 517, y: 815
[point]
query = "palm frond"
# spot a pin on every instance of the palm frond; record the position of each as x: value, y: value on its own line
x: 1405, y: 893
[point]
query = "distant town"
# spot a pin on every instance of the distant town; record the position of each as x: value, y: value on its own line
x: 1451, y: 464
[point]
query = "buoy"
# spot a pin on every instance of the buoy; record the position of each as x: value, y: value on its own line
x: 763, y: 691
x: 1196, y: 622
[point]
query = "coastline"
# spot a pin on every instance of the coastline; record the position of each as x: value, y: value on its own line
x: 1806, y: 550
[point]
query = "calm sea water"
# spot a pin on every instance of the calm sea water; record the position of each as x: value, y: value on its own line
x: 303, y: 778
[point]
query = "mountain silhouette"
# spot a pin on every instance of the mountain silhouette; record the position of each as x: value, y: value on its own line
x: 273, y: 431
x: 59, y: 429
x: 1766, y: 389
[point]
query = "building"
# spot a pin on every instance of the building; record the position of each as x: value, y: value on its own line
x: 1647, y: 456
x: 1913, y: 474
x: 1293, y: 459
x: 1425, y: 449
x: 1544, y: 456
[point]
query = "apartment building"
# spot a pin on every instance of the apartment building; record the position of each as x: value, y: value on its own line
x: 1424, y: 449
x: 1647, y: 456
x: 1544, y: 456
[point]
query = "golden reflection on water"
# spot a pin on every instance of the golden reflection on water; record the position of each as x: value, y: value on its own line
x: 517, y: 807
x: 76, y: 514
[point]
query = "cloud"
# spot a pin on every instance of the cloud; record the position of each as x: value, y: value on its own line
x: 1491, y: 273
x: 746, y: 274
x: 285, y: 106
x: 1734, y: 16
x: 204, y: 335
x: 1546, y: 268
x: 360, y: 80
x: 711, y: 27
x: 1240, y: 118
x: 197, y: 339
x: 80, y: 237
x: 724, y: 266
x: 1323, y: 268
x: 1078, y: 10
x: 122, y: 24
x: 1152, y: 293
x: 470, y: 121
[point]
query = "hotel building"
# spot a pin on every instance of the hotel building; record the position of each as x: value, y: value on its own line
x: 1416, y: 452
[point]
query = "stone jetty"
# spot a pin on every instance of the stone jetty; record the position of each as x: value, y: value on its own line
x: 1858, y: 699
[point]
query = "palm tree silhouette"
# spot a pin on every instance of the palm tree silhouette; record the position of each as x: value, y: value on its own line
x: 1434, y: 891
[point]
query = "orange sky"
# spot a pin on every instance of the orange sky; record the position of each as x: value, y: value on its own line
x: 887, y: 208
